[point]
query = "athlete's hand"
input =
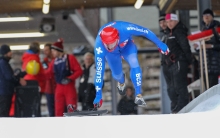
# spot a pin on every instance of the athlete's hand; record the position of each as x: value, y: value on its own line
x: 164, y: 52
x: 65, y: 81
x: 97, y: 102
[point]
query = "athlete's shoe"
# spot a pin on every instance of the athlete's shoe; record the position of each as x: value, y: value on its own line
x: 121, y: 89
x: 70, y: 108
x: 139, y: 100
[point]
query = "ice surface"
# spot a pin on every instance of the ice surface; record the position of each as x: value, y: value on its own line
x: 213, y: 103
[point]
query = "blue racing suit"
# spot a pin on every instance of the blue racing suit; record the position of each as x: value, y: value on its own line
x: 125, y: 49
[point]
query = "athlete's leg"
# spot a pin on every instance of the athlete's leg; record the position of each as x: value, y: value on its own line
x: 115, y: 63
x: 130, y: 55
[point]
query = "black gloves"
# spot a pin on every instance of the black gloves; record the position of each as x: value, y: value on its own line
x: 65, y: 81
x: 19, y: 74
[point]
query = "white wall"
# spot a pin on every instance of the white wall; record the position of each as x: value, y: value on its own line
x: 146, y: 16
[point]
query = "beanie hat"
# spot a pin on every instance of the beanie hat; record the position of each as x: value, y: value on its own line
x: 208, y: 11
x: 4, y: 49
x: 171, y: 16
x: 58, y: 45
x: 162, y: 17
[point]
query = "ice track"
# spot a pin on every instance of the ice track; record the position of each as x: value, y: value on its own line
x: 199, y: 119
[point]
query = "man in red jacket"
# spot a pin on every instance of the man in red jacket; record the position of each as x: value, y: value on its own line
x: 66, y: 69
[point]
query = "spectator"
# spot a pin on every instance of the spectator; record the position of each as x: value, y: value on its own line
x: 175, y: 64
x: 212, y: 48
x: 165, y: 101
x: 86, y: 87
x: 8, y: 80
x: 50, y: 83
x: 33, y: 54
x: 66, y: 69
x: 163, y: 26
x: 126, y: 105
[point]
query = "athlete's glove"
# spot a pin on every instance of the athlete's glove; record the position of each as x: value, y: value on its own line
x: 164, y: 52
x: 65, y: 81
x: 163, y: 49
x: 97, y: 102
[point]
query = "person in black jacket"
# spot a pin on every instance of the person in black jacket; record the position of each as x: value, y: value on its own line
x: 212, y: 48
x: 126, y: 105
x: 176, y: 63
x: 8, y: 80
x: 87, y: 90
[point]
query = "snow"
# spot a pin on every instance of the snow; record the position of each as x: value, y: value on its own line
x: 201, y: 122
x: 155, y: 126
x: 211, y: 104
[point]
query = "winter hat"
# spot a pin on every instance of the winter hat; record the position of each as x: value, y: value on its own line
x: 58, y: 45
x: 162, y: 17
x: 4, y: 49
x: 208, y: 11
x: 171, y: 16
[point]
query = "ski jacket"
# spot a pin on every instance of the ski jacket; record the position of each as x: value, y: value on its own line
x: 178, y: 44
x: 58, y: 68
x: 40, y: 78
x: 86, y: 79
x: 7, y: 79
x: 213, y: 54
x: 126, y: 106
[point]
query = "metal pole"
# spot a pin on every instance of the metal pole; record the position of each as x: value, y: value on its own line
x: 201, y: 6
x: 165, y: 100
x: 113, y: 82
x: 184, y: 17
x: 114, y: 96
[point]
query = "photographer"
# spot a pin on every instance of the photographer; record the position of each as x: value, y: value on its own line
x: 126, y: 105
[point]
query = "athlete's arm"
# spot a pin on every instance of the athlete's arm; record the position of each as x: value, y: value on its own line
x: 137, y: 30
x: 100, y: 52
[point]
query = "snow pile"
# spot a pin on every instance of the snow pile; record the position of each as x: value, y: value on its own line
x: 211, y: 104
x: 206, y: 101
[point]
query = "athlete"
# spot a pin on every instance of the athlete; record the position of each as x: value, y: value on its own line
x: 114, y: 42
